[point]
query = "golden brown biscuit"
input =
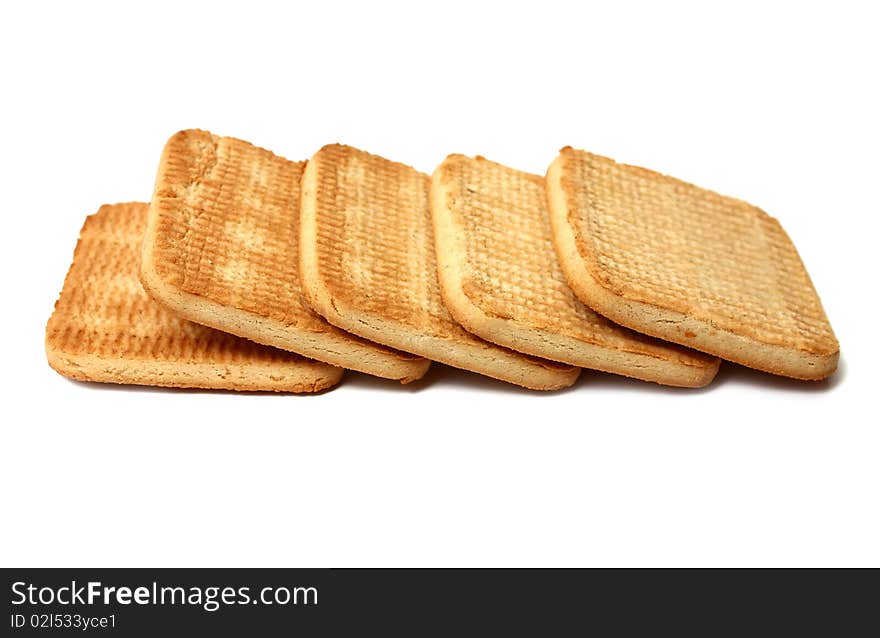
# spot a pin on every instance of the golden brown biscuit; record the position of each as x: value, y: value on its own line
x: 105, y: 327
x: 678, y: 262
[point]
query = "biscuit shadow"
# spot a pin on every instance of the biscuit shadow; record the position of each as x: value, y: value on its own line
x: 735, y: 374
x: 728, y: 374
x: 363, y: 381
x: 447, y: 376
x: 595, y: 380
x: 151, y: 389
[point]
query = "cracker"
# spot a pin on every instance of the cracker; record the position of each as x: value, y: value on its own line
x: 684, y: 264
x: 105, y: 328
x: 500, y: 279
x: 368, y: 266
x: 221, y: 249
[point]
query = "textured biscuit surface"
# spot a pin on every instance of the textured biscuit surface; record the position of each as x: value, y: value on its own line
x: 368, y: 265
x: 685, y: 264
x: 501, y: 280
x: 106, y: 328
x: 221, y: 249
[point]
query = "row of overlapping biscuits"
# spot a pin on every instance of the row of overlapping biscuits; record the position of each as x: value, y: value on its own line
x: 352, y: 261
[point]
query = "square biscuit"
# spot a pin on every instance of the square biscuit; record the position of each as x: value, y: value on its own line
x: 105, y: 328
x: 678, y: 262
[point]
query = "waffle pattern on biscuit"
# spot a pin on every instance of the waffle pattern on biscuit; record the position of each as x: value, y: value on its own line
x: 676, y: 261
x: 105, y: 327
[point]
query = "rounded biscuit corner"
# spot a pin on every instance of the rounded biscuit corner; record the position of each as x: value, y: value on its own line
x: 327, y: 148
x: 560, y: 378
x: 708, y: 375
x: 67, y: 366
x: 821, y: 366
x: 148, y: 273
x: 184, y: 135
x: 53, y: 358
x: 328, y: 380
x: 179, y: 136
x: 448, y: 161
x: 417, y: 372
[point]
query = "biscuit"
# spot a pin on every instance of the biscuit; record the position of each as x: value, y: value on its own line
x: 105, y: 328
x: 221, y: 249
x: 681, y: 263
x: 368, y: 266
x: 500, y: 279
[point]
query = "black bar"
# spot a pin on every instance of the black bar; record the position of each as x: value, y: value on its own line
x: 302, y: 602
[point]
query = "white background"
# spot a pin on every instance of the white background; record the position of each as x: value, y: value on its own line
x: 776, y: 104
